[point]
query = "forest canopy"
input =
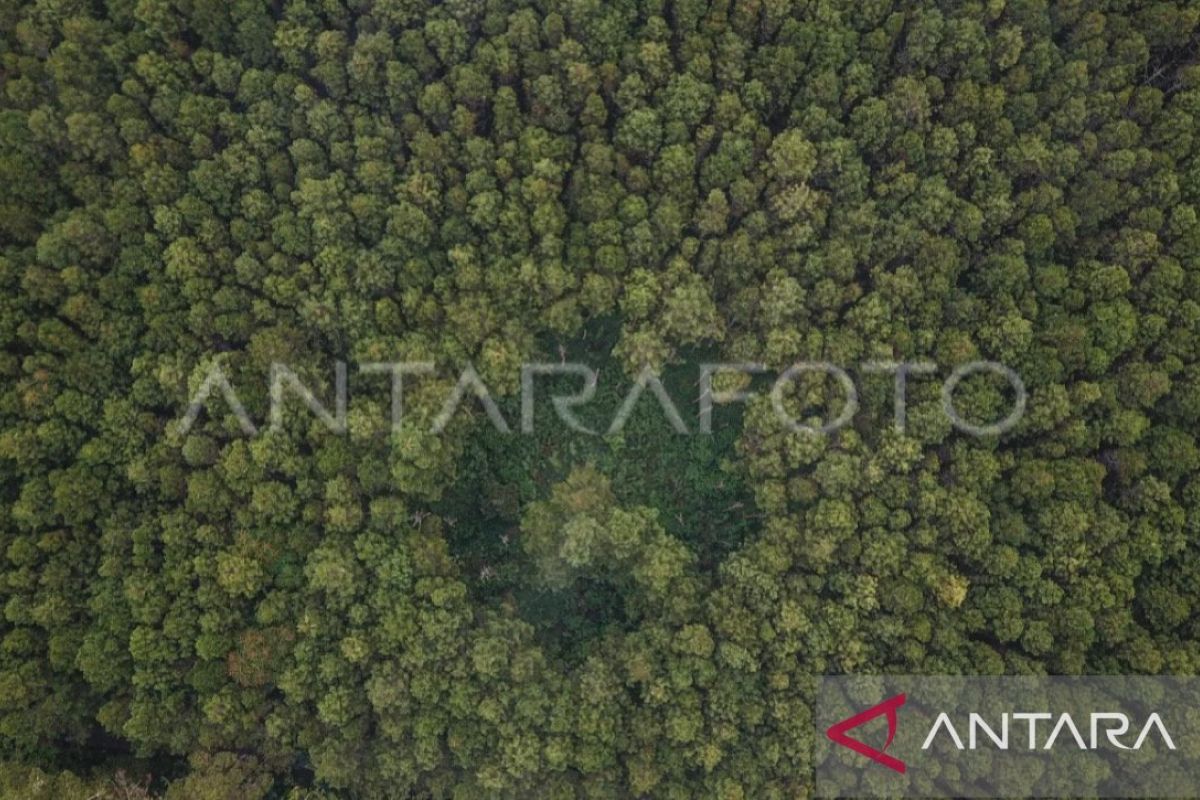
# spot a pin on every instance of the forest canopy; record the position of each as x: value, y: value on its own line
x: 624, y: 183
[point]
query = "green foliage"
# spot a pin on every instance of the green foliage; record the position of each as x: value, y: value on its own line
x: 20, y: 782
x: 392, y: 612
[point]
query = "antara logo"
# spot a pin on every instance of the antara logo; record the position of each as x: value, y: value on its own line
x: 1114, y: 726
x: 837, y: 732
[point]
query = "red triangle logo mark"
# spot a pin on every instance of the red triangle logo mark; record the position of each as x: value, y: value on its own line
x: 837, y: 732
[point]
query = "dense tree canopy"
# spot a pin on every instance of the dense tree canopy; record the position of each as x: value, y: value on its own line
x: 190, y: 184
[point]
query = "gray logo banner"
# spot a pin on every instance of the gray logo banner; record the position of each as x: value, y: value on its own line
x: 1092, y: 736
